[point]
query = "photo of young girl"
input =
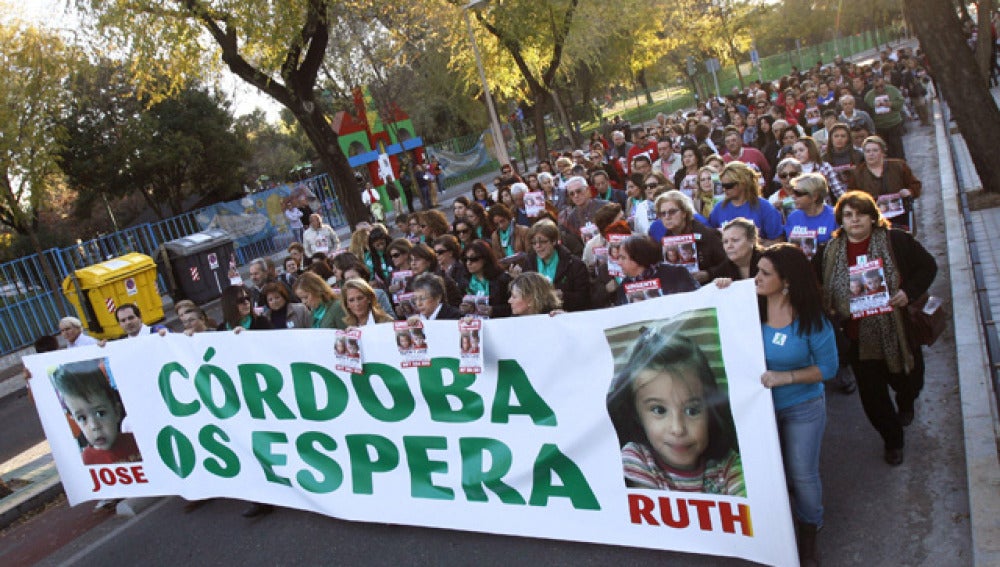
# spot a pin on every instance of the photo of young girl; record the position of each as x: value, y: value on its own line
x: 88, y: 397
x: 673, y: 420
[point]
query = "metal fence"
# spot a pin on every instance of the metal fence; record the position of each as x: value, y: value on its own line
x: 30, y: 307
x: 989, y: 329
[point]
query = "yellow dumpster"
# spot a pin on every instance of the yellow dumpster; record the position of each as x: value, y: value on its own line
x: 96, y: 291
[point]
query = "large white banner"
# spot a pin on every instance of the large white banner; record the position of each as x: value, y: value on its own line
x: 644, y: 425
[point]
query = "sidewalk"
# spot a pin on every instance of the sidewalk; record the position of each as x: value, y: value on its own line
x: 979, y: 413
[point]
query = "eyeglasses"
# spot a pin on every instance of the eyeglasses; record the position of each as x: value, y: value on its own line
x: 799, y: 193
x: 395, y: 255
x: 572, y: 192
x: 463, y: 231
x: 440, y: 251
x: 540, y: 242
x: 652, y: 185
x: 669, y: 213
x: 471, y: 259
x: 729, y: 184
x: 787, y: 174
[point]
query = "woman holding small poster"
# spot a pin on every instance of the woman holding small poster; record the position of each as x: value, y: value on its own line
x: 876, y: 323
x: 676, y: 217
x: 641, y: 261
x: 486, y: 280
x: 812, y: 222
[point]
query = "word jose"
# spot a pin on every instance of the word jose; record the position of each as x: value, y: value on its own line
x: 110, y: 476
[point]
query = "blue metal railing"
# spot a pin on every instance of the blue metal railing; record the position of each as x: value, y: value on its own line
x: 989, y: 329
x: 29, y: 308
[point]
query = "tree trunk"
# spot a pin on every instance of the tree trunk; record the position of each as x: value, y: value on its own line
x: 327, y: 145
x: 984, y: 42
x: 641, y: 78
x: 564, y: 119
x: 541, y: 143
x: 952, y: 63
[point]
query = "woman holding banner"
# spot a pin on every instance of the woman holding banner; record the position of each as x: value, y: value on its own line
x: 327, y: 312
x: 800, y: 351
x: 876, y: 325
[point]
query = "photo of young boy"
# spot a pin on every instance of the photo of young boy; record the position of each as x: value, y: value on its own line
x: 90, y: 400
x: 672, y: 417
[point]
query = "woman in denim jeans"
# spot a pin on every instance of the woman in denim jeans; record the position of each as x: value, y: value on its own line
x: 800, y: 351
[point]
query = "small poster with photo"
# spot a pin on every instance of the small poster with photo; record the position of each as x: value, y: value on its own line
x: 412, y: 343
x: 614, y: 246
x: 805, y: 239
x: 470, y: 351
x: 588, y: 231
x: 642, y: 290
x: 534, y: 203
x: 869, y: 292
x: 681, y: 250
x: 347, y: 349
x: 891, y: 205
x: 400, y: 279
x: 475, y: 305
x: 882, y: 104
x: 405, y: 306
x: 813, y: 115
x: 689, y: 185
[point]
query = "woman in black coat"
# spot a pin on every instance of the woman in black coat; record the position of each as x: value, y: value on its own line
x: 640, y: 259
x: 486, y: 278
x: 567, y: 272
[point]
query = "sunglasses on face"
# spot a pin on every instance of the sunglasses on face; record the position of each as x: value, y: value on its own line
x: 799, y: 193
x: 471, y: 259
x: 395, y: 255
x: 787, y: 174
x: 729, y: 184
x: 440, y: 251
x: 652, y: 185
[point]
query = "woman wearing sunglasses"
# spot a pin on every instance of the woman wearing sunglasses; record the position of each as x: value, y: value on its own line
x: 449, y: 255
x: 486, y: 278
x: 812, y: 215
x: 654, y: 185
x: 237, y: 311
x: 423, y: 260
x: 782, y: 198
x: 743, y: 199
x: 676, y: 216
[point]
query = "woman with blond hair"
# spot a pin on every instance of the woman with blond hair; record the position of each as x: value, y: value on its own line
x: 742, y: 199
x: 327, y: 311
x: 362, y: 306
x: 532, y: 293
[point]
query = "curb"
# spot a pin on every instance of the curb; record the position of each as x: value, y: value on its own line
x: 27, y: 501
x: 980, y: 437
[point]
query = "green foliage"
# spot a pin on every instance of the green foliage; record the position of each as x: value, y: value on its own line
x: 178, y: 153
x: 33, y: 65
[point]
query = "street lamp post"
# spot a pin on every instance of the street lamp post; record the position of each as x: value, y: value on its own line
x: 498, y: 142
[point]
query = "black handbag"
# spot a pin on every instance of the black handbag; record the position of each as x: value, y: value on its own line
x: 928, y: 318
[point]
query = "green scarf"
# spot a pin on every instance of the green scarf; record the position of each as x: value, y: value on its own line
x: 548, y: 269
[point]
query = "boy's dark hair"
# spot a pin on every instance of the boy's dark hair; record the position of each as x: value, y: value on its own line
x: 670, y: 352
x: 46, y: 343
x: 83, y: 380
